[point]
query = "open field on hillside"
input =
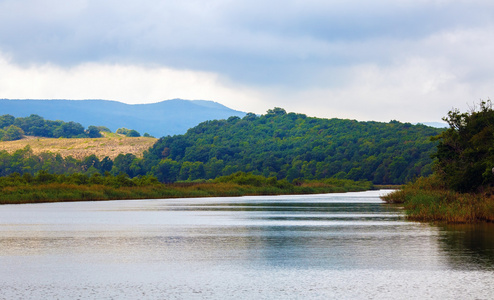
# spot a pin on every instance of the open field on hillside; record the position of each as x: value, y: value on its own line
x: 111, y: 146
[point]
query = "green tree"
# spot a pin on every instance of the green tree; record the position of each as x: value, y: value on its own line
x: 123, y: 163
x: 12, y: 133
x: 90, y: 161
x: 132, y: 133
x: 6, y: 121
x: 105, y: 165
x: 103, y: 129
x: 277, y: 111
x: 128, y: 132
x: 93, y: 132
x: 68, y: 130
x: 167, y: 170
x: 122, y: 130
x: 465, y: 153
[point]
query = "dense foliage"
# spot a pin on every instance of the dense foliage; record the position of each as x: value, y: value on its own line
x: 294, y: 147
x: 128, y: 132
x: 11, y: 133
x: 12, y: 128
x: 465, y: 153
x: 461, y: 189
x: 277, y: 145
x: 43, y: 177
x: 25, y: 162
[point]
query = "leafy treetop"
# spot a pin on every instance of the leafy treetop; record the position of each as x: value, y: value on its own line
x: 12, y: 128
x: 465, y: 153
x: 293, y: 146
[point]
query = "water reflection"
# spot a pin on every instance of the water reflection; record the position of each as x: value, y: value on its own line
x: 468, y: 246
x: 312, y: 246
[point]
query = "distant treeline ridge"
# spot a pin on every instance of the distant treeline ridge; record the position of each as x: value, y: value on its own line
x: 282, y: 145
x: 12, y: 128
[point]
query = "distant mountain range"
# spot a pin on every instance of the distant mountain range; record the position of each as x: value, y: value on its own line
x: 164, y: 118
x: 435, y: 124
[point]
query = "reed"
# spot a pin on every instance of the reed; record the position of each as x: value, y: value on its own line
x: 427, y: 199
x: 59, y: 192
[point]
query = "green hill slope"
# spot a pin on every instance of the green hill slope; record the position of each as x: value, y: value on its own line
x: 294, y: 146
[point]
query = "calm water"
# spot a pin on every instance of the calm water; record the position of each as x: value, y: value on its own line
x: 335, y: 246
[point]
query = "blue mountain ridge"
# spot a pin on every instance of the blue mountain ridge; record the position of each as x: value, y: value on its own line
x: 159, y: 119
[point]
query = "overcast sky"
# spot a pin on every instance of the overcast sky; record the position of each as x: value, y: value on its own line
x: 409, y: 60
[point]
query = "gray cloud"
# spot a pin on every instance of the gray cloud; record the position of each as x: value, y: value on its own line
x: 217, y: 34
x: 294, y: 46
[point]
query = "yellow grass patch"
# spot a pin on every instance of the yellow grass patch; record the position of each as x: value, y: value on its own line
x: 110, y: 145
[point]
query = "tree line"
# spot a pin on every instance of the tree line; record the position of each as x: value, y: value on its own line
x: 12, y: 128
x: 278, y: 144
x: 23, y: 161
x: 295, y: 147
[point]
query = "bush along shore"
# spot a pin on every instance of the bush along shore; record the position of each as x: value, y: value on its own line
x: 461, y: 188
x: 46, y: 187
x: 429, y: 199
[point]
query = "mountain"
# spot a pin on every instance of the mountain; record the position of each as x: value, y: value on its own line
x: 164, y: 118
x: 293, y: 146
x: 436, y: 124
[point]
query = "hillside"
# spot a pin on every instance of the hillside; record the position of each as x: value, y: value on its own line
x: 278, y: 144
x: 294, y: 146
x: 79, y: 148
x: 158, y: 119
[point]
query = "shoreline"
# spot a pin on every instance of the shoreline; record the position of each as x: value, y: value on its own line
x: 62, y: 192
x: 427, y: 200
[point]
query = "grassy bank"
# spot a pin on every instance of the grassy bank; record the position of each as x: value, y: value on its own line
x: 427, y: 199
x: 60, y: 188
x: 60, y: 192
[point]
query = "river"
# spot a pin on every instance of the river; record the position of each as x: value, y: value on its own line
x: 331, y: 246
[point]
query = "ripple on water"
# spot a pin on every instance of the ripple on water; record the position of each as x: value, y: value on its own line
x: 349, y: 246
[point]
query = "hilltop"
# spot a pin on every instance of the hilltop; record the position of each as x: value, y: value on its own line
x: 164, y: 118
x: 295, y: 147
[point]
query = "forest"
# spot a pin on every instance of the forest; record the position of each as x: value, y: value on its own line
x: 278, y: 144
x: 295, y: 147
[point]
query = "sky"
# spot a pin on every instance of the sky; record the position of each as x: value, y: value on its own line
x: 405, y: 60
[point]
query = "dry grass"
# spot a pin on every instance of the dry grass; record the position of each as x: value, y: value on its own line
x: 58, y: 192
x: 427, y: 199
x: 111, y: 145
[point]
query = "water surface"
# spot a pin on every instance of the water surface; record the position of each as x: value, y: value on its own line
x: 346, y: 246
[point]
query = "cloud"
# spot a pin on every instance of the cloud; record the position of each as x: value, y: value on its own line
x: 415, y: 90
x: 407, y: 59
x: 126, y: 83
x: 214, y: 35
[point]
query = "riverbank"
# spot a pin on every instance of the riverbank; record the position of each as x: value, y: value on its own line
x: 427, y: 199
x: 65, y: 192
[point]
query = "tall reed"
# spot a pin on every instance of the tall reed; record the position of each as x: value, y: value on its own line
x: 427, y: 199
x: 56, y: 192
